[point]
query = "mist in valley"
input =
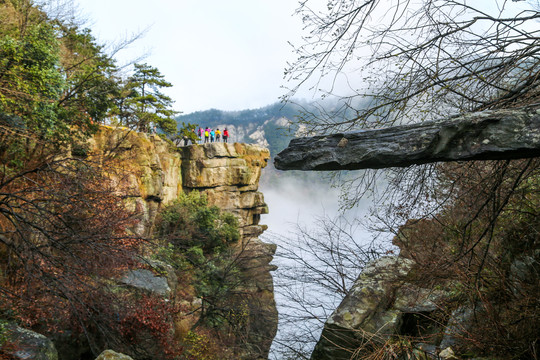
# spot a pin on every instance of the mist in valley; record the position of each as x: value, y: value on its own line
x: 320, y: 252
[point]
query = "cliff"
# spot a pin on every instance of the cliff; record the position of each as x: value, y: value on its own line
x: 151, y: 173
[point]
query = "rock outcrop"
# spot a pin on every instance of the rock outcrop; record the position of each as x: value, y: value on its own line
x: 488, y: 135
x: 364, y: 311
x: 398, y: 306
x: 23, y: 344
x: 229, y: 175
x: 384, y: 306
x: 150, y: 173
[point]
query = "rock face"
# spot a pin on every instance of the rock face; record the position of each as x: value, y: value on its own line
x: 387, y: 311
x: 229, y: 175
x: 383, y: 306
x: 146, y: 171
x: 488, y: 135
x: 27, y: 344
x: 151, y: 173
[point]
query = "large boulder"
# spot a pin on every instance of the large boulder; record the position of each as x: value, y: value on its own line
x: 25, y: 344
x: 366, y: 310
x: 146, y: 280
x: 384, y: 305
x: 161, y: 280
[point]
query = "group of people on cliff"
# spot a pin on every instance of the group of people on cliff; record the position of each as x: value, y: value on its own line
x: 205, y: 135
x: 209, y: 135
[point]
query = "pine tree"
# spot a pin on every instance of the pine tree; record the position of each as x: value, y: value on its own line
x: 149, y: 106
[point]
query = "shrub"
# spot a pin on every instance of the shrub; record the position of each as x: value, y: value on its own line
x: 198, y: 240
x: 190, y: 222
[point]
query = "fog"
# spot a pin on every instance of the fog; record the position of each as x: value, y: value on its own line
x: 301, y: 204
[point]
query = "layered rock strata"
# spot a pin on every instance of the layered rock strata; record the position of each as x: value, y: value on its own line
x: 150, y: 173
x: 229, y: 175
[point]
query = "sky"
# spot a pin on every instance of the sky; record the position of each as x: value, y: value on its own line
x: 228, y: 55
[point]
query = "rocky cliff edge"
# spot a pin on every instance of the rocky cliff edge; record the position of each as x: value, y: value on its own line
x: 150, y: 173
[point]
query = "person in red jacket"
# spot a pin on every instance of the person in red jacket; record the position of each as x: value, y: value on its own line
x: 225, y: 135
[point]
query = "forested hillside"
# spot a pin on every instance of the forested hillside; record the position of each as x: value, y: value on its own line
x: 215, y: 117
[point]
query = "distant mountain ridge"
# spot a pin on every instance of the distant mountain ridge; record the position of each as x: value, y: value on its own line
x: 270, y: 126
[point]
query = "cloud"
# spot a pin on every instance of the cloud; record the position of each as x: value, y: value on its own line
x: 218, y: 54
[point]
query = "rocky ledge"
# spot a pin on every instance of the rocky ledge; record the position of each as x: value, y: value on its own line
x: 487, y: 135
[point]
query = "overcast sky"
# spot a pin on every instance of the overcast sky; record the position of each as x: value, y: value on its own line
x: 228, y: 55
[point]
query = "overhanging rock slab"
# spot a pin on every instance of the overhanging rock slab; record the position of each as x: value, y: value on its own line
x: 488, y: 135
